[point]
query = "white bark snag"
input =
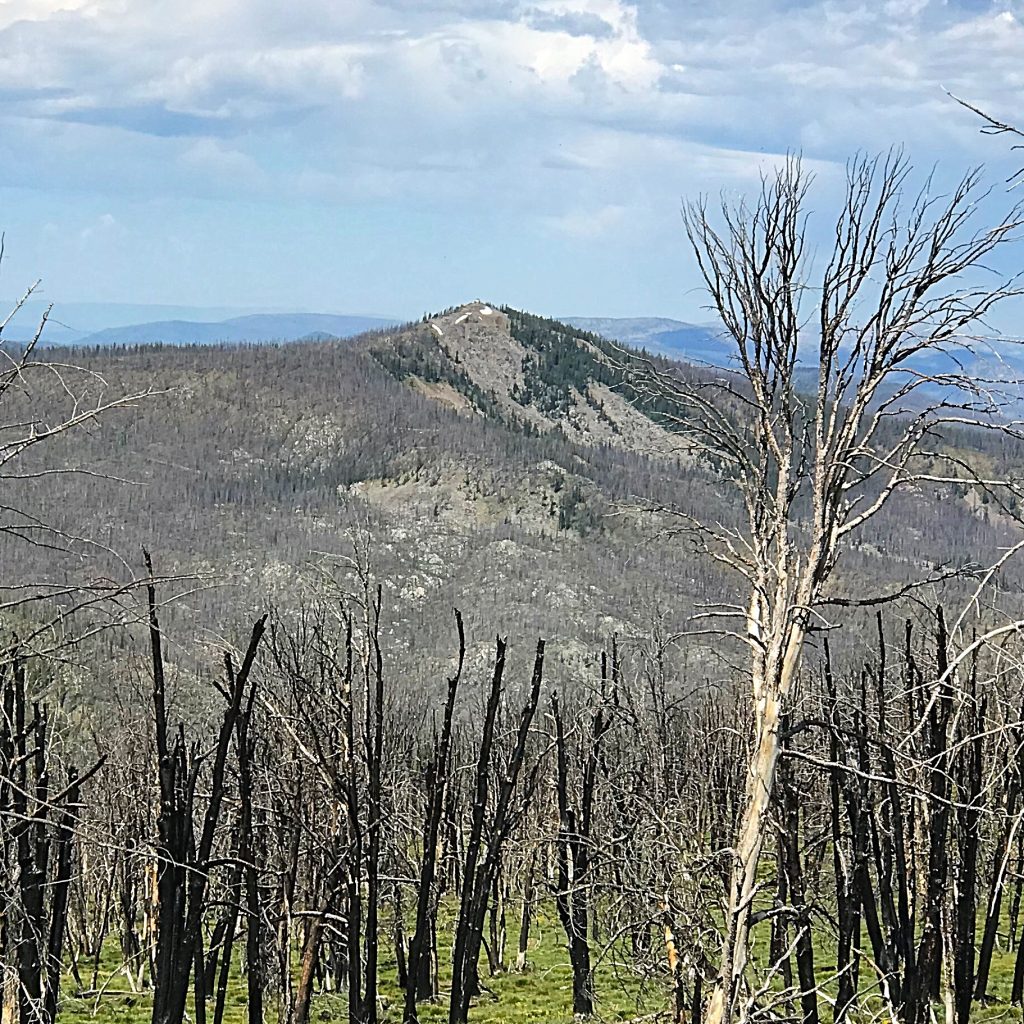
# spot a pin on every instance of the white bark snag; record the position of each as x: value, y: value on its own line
x: 812, y: 463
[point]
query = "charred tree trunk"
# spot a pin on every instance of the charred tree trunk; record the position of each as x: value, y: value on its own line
x: 929, y: 951
x: 307, y: 971
x: 463, y: 970
x: 485, y: 844
x: 574, y: 845
x: 419, y: 983
x: 798, y: 896
x: 968, y: 821
x: 848, y: 915
x: 37, y: 837
x: 374, y: 744
x: 1004, y: 854
x: 183, y: 872
x: 526, y: 916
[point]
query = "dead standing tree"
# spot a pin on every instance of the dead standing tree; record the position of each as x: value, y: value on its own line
x: 816, y: 449
x: 420, y: 981
x: 573, y: 846
x: 488, y: 834
x: 338, y: 729
x: 38, y: 826
x: 41, y: 400
x: 186, y: 839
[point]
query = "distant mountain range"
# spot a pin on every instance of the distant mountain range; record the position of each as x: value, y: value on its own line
x: 96, y: 323
x: 256, y: 328
x: 106, y: 324
x: 993, y: 362
x: 694, y: 343
x: 100, y: 323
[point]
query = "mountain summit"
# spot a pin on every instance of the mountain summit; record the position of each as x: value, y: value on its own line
x: 524, y: 370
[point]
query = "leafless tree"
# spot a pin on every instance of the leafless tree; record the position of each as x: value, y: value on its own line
x: 185, y: 843
x: 994, y: 126
x: 42, y: 400
x: 574, y: 845
x: 847, y: 371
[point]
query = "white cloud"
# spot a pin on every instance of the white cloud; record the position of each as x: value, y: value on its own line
x: 589, y: 225
x: 213, y: 157
x: 103, y: 230
x: 34, y: 10
x: 249, y: 85
x: 772, y: 74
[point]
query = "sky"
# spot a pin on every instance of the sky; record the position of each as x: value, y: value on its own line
x: 399, y: 156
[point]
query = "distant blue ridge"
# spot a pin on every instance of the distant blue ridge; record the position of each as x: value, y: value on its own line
x: 256, y: 327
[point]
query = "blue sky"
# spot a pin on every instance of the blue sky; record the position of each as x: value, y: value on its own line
x: 399, y: 156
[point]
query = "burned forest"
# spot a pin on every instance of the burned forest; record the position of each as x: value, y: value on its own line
x: 482, y: 668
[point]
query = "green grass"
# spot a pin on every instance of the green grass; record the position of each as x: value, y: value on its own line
x: 540, y: 995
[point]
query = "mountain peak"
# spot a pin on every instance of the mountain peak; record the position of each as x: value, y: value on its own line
x: 524, y: 370
x: 471, y: 319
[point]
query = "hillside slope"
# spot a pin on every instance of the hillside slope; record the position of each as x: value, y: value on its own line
x: 528, y: 372
x: 485, y: 459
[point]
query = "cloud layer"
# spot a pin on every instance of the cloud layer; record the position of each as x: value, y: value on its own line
x: 533, y: 150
